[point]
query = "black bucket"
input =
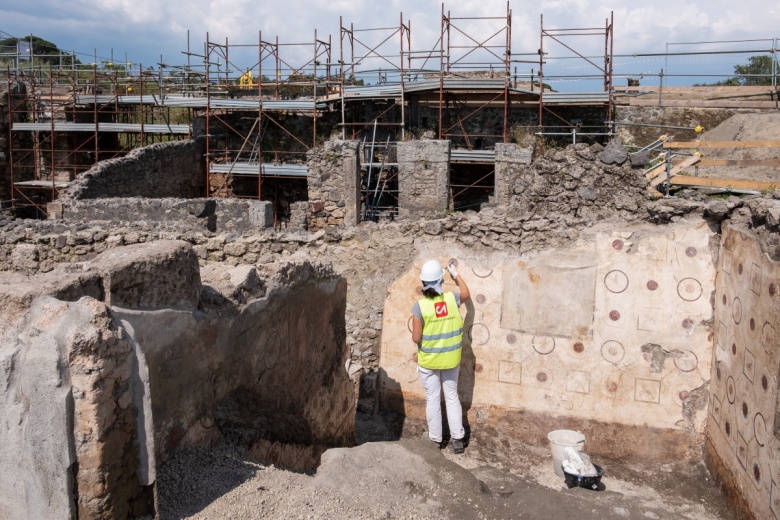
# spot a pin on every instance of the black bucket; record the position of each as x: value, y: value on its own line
x: 583, y: 481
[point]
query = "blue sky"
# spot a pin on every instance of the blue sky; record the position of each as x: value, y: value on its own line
x: 143, y: 30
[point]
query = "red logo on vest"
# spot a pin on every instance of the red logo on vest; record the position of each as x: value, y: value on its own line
x: 441, y: 309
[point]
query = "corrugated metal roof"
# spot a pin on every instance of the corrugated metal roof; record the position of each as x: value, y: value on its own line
x: 179, y: 101
x: 66, y: 126
x: 481, y: 156
x: 269, y: 169
x: 150, y: 129
x: 566, y: 98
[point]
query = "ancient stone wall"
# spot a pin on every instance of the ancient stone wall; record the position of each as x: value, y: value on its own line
x: 154, y: 360
x: 423, y: 176
x: 172, y: 169
x: 224, y: 215
x: 334, y: 184
x: 508, y: 158
x: 5, y: 144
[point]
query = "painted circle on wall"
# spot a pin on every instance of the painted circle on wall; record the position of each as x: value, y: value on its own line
x: 616, y: 281
x: 757, y: 472
x: 736, y: 310
x: 617, y: 244
x: 613, y: 351
x: 731, y: 390
x: 578, y: 347
x: 687, y: 362
x: 482, y: 273
x: 481, y: 299
x: 689, y: 289
x: 759, y: 427
x: 690, y: 252
x: 543, y: 344
x: 652, y: 285
x: 767, y: 337
x: 479, y: 334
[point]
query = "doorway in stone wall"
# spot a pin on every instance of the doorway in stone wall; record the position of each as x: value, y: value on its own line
x: 471, y: 185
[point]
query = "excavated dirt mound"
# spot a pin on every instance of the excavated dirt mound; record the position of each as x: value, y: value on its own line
x: 497, y: 478
x: 744, y: 127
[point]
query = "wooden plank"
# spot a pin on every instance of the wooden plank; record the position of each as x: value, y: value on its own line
x: 655, y: 172
x: 737, y: 184
x: 697, y: 103
x: 722, y: 144
x: 739, y: 162
x: 690, y: 161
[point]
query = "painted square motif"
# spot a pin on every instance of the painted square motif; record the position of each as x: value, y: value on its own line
x: 774, y: 500
x: 647, y: 391
x: 755, y: 279
x: 509, y: 372
x: 750, y: 365
x: 715, y: 409
x: 650, y: 319
x: 742, y: 451
x: 577, y: 381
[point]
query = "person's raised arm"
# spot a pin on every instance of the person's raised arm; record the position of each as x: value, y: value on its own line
x: 465, y: 294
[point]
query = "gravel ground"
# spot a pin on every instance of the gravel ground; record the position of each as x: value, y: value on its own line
x: 411, y: 478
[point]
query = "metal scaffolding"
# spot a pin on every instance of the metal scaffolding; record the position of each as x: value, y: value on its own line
x: 562, y: 37
x: 64, y: 120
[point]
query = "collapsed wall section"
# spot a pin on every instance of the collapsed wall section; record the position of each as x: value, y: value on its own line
x: 172, y: 169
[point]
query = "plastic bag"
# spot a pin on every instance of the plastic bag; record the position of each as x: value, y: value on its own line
x: 578, y: 463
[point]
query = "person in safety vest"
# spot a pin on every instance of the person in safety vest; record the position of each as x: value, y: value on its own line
x: 437, y: 329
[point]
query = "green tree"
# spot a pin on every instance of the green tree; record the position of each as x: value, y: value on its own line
x: 757, y: 71
x: 44, y: 51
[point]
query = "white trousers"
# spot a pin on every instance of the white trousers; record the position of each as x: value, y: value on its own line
x: 433, y: 381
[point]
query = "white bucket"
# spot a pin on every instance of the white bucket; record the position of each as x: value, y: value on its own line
x: 559, y: 441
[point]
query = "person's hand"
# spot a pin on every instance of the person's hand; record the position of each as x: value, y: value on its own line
x: 453, y: 271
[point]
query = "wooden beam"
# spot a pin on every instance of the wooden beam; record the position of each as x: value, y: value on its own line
x: 655, y: 172
x: 737, y: 184
x: 690, y: 161
x: 722, y: 144
x: 738, y: 162
x: 698, y: 103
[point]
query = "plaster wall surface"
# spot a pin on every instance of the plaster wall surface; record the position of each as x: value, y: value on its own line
x: 743, y: 428
x: 614, y: 329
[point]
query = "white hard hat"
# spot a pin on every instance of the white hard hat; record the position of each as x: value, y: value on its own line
x: 431, y: 271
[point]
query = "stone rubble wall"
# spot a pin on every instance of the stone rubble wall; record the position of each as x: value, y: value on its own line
x: 226, y: 215
x: 334, y: 184
x: 254, y: 354
x: 509, y: 158
x: 172, y: 169
x: 423, y: 175
x: 372, y: 255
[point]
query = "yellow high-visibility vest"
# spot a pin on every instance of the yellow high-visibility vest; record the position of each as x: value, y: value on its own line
x: 442, y: 334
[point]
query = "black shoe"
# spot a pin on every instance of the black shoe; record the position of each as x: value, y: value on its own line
x: 438, y: 444
x: 457, y: 446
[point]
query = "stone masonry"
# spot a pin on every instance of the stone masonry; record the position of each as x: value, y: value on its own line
x: 334, y: 184
x: 172, y: 169
x: 423, y: 175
